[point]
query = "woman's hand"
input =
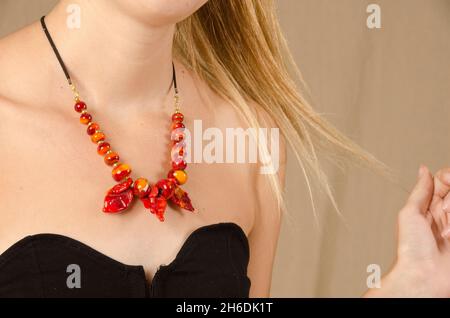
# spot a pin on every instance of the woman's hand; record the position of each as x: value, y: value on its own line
x: 422, y: 268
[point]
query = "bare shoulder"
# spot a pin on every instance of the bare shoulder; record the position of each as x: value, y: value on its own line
x: 24, y: 70
x: 276, y: 143
x: 270, y: 173
x: 24, y: 81
x: 252, y: 184
x: 251, y: 179
x: 12, y: 65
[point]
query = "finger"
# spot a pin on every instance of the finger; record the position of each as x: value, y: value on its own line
x: 429, y: 218
x: 442, y: 183
x: 441, y: 190
x: 416, y: 228
x: 446, y: 203
x: 422, y: 193
x: 445, y: 206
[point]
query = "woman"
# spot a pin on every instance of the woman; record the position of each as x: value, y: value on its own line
x: 229, y: 71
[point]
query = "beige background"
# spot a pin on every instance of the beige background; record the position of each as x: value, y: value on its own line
x: 389, y: 89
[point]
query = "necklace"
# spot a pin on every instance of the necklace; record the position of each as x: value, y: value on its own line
x: 119, y: 197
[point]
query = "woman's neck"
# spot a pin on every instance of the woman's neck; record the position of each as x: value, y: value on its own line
x: 111, y: 57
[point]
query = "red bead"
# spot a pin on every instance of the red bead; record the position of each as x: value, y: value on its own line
x: 119, y: 197
x: 165, y: 187
x: 177, y: 125
x: 181, y: 198
x: 179, y: 165
x: 161, y: 205
x: 85, y: 118
x: 92, y: 128
x: 156, y: 204
x: 141, y: 187
x: 178, y: 152
x: 154, y: 192
x: 114, y: 203
x: 111, y: 158
x: 178, y: 135
x: 80, y: 106
x: 103, y: 148
x: 177, y: 117
x: 170, y: 175
x: 121, y: 171
x: 121, y: 187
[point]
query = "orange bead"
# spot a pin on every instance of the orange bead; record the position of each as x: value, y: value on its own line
x: 98, y: 136
x: 180, y: 176
x: 85, y: 118
x: 121, y: 171
x: 111, y: 158
x: 141, y: 187
x: 103, y: 148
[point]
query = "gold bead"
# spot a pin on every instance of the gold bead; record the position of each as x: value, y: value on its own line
x: 180, y: 176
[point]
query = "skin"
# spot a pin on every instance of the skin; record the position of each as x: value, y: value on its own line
x: 422, y: 268
x: 54, y: 182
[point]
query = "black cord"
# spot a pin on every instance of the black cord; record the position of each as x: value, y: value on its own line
x: 174, y: 79
x: 58, y: 56
x: 64, y: 68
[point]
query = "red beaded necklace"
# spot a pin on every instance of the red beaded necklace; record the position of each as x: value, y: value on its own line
x: 120, y: 196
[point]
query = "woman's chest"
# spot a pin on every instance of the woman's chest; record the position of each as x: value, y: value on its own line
x: 54, y: 181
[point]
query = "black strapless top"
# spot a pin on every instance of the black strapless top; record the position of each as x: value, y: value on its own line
x: 211, y: 263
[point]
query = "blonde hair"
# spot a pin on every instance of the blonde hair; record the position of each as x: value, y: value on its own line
x: 237, y: 47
